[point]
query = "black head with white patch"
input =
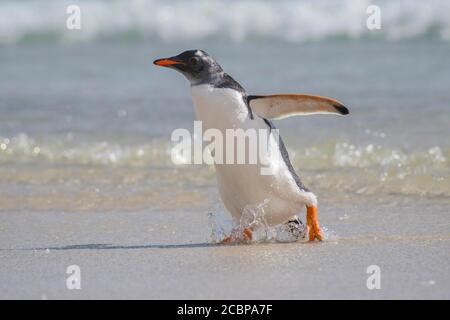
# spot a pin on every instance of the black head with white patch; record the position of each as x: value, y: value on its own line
x: 196, y: 65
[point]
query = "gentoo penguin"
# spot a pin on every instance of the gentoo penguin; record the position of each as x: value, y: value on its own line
x: 221, y: 103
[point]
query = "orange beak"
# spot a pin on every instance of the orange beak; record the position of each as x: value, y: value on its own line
x: 167, y: 62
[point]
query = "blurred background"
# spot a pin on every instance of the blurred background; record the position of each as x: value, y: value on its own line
x: 86, y: 118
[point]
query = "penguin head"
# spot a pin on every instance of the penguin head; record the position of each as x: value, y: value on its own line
x: 196, y: 65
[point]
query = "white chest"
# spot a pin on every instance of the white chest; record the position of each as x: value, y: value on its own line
x: 220, y: 108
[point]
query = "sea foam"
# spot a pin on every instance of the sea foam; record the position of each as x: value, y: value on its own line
x: 365, y: 169
x: 236, y: 21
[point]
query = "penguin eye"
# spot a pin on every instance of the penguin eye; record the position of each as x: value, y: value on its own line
x: 193, y: 60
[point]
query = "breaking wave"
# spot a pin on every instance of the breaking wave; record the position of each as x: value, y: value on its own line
x: 359, y: 169
x: 254, y: 217
x: 237, y: 21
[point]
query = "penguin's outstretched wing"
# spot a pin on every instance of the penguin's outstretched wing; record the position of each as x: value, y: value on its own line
x: 280, y: 106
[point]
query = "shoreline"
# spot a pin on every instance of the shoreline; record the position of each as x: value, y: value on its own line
x: 169, y: 255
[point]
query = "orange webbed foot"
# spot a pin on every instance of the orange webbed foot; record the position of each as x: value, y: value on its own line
x: 313, y: 224
x: 246, y: 236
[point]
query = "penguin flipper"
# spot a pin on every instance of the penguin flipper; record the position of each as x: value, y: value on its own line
x: 280, y: 106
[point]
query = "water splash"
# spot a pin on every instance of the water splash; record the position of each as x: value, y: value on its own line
x: 253, y: 217
x: 328, y: 234
x: 217, y: 228
x: 290, y: 232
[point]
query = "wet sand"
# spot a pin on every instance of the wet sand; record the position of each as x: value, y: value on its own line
x: 169, y: 255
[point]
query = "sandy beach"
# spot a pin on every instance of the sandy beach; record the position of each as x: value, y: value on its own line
x: 169, y: 255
